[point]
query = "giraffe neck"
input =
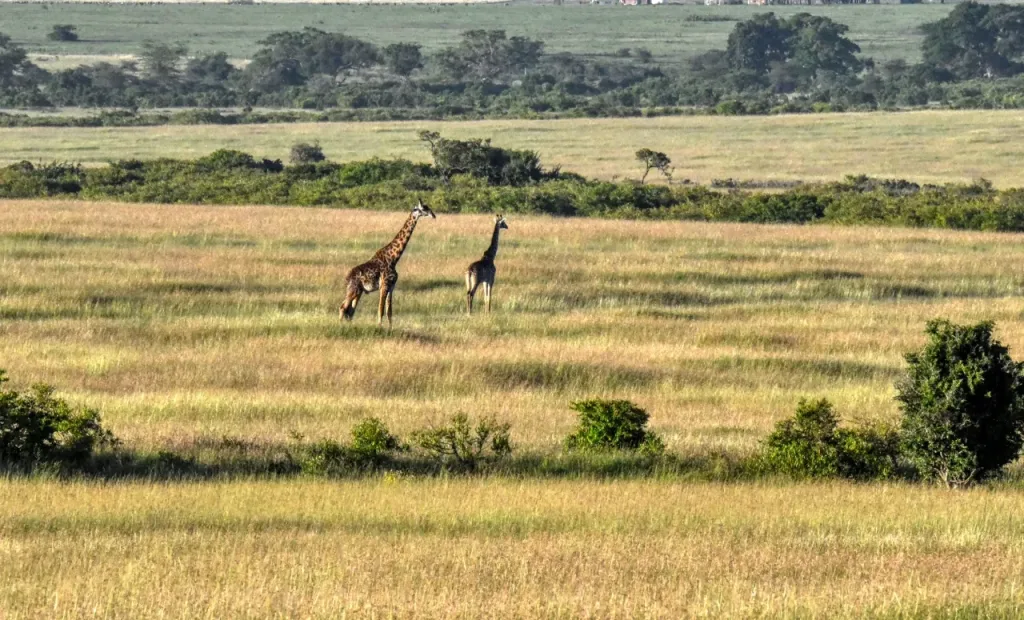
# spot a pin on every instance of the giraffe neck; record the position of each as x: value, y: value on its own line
x: 492, y: 250
x: 393, y: 251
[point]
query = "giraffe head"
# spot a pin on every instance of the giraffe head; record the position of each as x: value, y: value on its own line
x: 499, y: 221
x: 421, y: 209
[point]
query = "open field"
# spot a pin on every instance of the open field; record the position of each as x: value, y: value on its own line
x: 187, y: 324
x: 492, y: 548
x: 883, y: 32
x: 193, y: 325
x: 932, y: 146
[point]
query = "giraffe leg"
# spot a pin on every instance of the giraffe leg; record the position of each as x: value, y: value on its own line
x: 487, y: 295
x: 471, y: 284
x: 348, y: 307
x: 381, y: 304
x: 387, y: 304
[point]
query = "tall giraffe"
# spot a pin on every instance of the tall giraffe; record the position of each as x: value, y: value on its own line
x: 483, y: 270
x: 379, y: 272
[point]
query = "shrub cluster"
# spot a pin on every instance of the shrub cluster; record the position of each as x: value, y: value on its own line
x: 372, y: 446
x: 474, y: 177
x: 613, y: 425
x: 459, y: 442
x: 962, y: 403
x: 40, y: 430
x: 811, y: 445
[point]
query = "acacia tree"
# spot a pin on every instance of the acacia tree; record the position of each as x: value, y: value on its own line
x: 490, y: 55
x: 161, y: 61
x: 654, y: 160
x: 402, y: 58
x: 291, y: 58
x: 479, y: 159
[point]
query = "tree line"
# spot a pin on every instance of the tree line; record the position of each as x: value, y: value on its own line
x: 973, y: 58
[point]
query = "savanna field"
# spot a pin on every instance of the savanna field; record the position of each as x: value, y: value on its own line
x: 208, y: 336
x: 195, y: 328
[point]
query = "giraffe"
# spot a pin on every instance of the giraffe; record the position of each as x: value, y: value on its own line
x: 379, y: 272
x: 483, y: 270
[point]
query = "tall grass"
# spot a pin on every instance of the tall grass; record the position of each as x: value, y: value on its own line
x: 491, y: 548
x: 185, y: 323
x: 209, y: 328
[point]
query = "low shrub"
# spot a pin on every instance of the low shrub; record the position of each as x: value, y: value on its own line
x: 811, y: 445
x: 517, y: 185
x: 305, y: 153
x: 460, y: 443
x: 963, y: 404
x: 372, y: 442
x: 612, y: 425
x: 37, y: 429
x: 322, y: 458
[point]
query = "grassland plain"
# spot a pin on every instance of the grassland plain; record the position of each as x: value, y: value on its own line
x: 883, y: 32
x: 490, y: 548
x: 192, y: 324
x: 926, y: 146
x: 189, y: 323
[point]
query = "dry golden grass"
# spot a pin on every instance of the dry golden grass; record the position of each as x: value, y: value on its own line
x: 923, y: 146
x: 500, y: 548
x: 182, y: 322
x: 190, y: 323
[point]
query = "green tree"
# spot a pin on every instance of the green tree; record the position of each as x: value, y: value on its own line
x: 963, y: 404
x: 478, y: 158
x: 14, y: 64
x: 758, y: 42
x: 402, y: 58
x: 794, y: 51
x: 976, y: 41
x: 63, y: 32
x: 209, y: 69
x: 654, y: 160
x: 819, y: 44
x: 291, y: 58
x: 490, y: 55
x: 162, y: 61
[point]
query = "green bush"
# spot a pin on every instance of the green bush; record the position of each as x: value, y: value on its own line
x: 963, y: 404
x: 517, y: 186
x: 63, y: 32
x: 305, y: 153
x: 612, y: 425
x: 811, y: 445
x: 459, y: 443
x: 372, y: 442
x: 37, y: 429
x: 323, y: 458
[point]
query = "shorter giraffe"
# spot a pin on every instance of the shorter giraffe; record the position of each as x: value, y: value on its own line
x: 379, y: 272
x: 483, y: 270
